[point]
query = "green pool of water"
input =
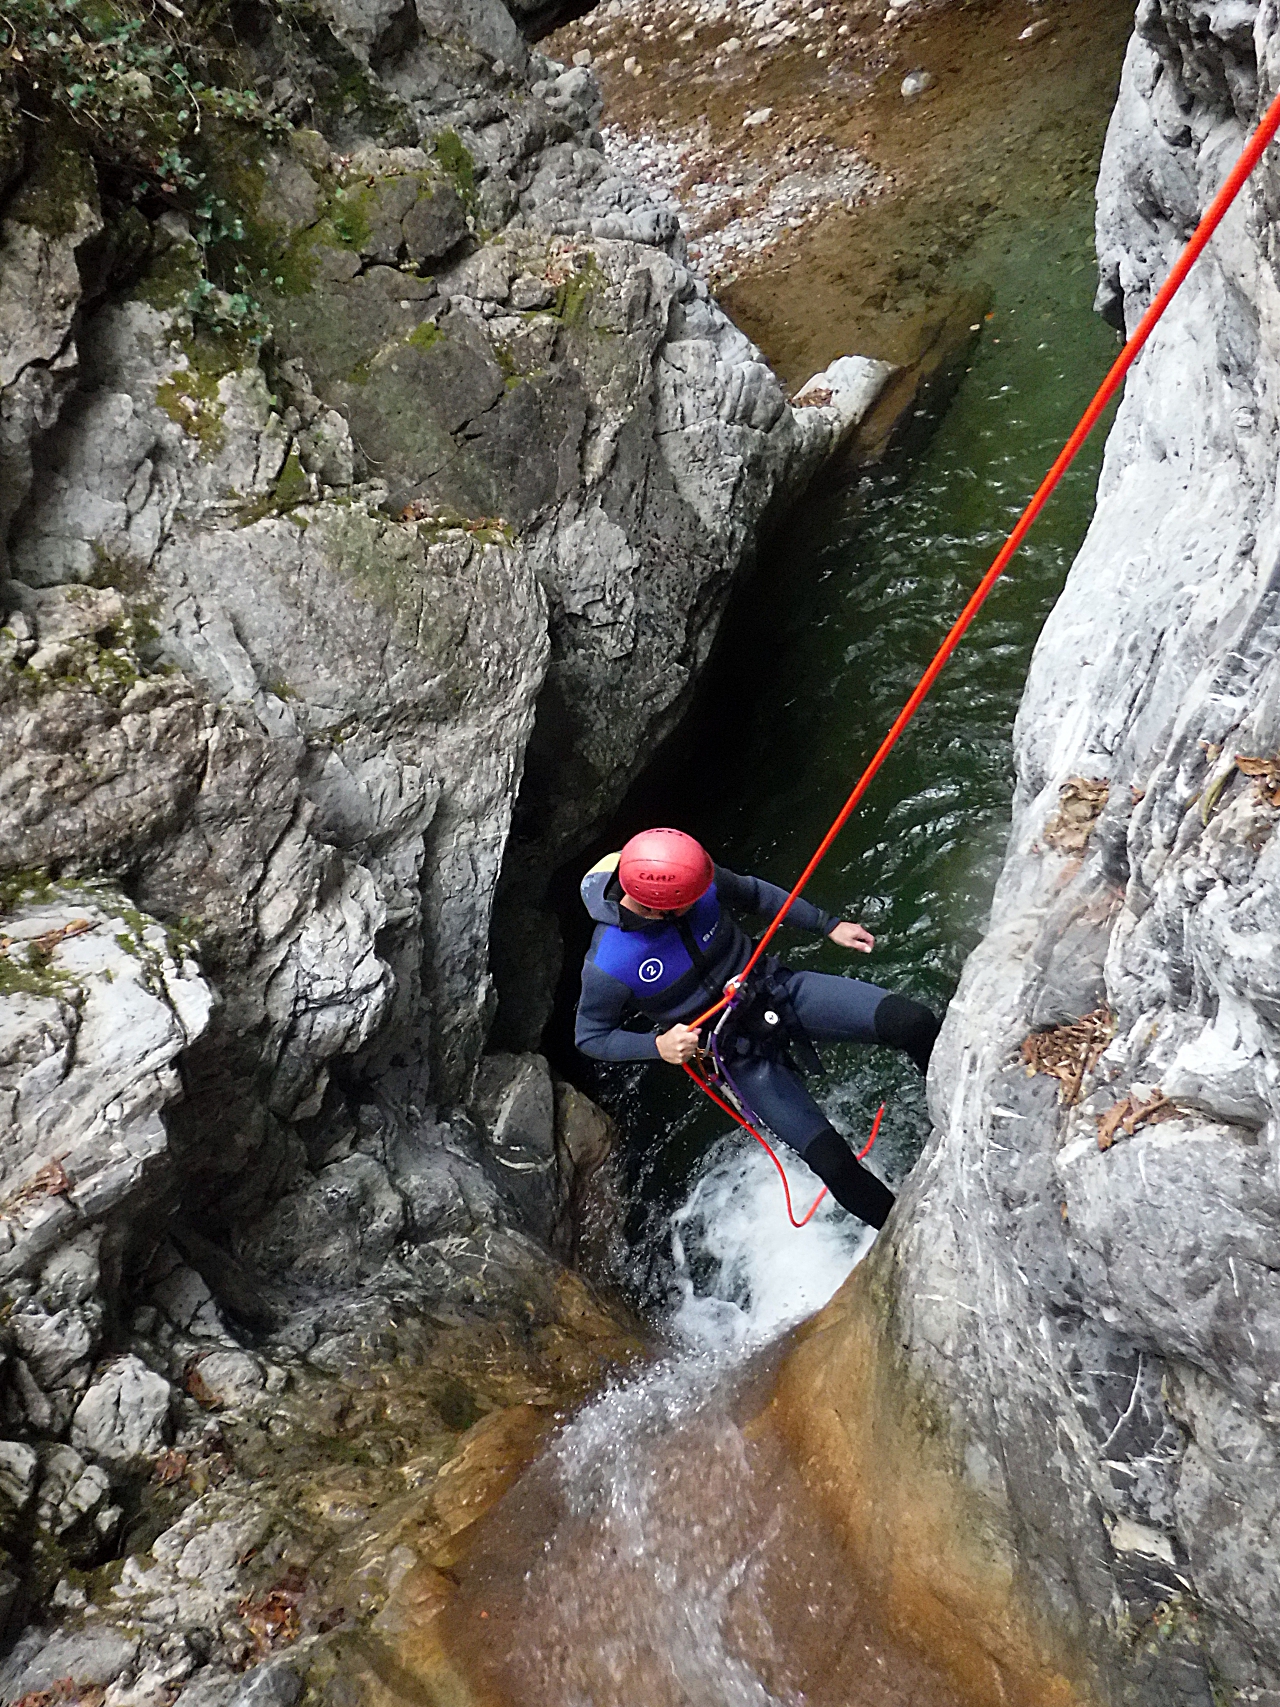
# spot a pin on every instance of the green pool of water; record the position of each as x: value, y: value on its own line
x: 828, y: 643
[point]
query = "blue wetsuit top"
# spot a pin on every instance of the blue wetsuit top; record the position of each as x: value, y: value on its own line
x: 666, y: 970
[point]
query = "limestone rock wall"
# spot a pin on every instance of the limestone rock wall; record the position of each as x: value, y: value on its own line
x: 296, y: 588
x: 1075, y: 1316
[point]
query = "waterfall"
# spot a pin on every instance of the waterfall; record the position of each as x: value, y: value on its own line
x: 663, y: 1551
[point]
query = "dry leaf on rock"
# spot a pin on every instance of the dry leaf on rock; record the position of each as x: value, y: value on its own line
x: 170, y: 1466
x: 49, y: 941
x: 1068, y: 1052
x: 52, y: 1180
x: 273, y: 1617
x: 66, y: 1692
x: 1265, y: 772
x: 1126, y: 1116
x: 1080, y: 803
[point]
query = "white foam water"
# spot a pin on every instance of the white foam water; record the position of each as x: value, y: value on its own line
x: 745, y: 1274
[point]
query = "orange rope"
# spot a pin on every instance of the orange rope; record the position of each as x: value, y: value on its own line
x: 1214, y: 214
x: 1240, y: 172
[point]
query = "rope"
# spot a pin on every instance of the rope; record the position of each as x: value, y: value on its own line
x: 1213, y: 216
x: 1240, y: 172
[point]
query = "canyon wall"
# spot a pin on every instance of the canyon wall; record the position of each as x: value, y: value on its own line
x: 1047, y: 1406
x: 372, y: 455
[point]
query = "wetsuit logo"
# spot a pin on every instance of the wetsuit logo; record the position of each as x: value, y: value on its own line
x: 650, y: 971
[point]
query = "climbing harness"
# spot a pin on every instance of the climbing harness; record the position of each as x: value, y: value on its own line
x: 1213, y: 217
x: 761, y: 1020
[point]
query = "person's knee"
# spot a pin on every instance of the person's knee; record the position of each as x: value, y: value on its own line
x: 909, y: 1026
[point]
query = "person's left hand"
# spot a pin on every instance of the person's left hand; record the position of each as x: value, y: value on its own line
x: 852, y: 936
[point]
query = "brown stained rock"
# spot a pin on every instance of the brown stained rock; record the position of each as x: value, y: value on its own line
x: 493, y: 1454
x: 1080, y: 803
x: 931, y: 1552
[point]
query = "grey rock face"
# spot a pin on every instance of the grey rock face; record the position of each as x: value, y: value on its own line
x: 515, y: 1103
x: 273, y: 1685
x: 39, y: 295
x: 105, y: 1002
x: 1102, y: 1317
x: 125, y: 1414
x: 89, y: 1657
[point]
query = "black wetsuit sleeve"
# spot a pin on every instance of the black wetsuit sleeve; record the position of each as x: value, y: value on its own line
x: 754, y: 895
x: 598, y: 1030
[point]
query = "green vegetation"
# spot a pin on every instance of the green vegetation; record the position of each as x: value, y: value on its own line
x: 32, y: 886
x: 456, y: 163
x: 349, y: 220
x: 26, y: 969
x: 573, y: 298
x: 134, y: 88
x: 125, y: 574
x: 108, y: 664
x: 424, y: 337
x: 132, y: 81
x: 157, y: 100
x: 189, y: 396
x: 293, y: 486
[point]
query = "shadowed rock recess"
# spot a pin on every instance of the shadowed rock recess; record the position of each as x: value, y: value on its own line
x: 1048, y: 1407
x: 398, y: 456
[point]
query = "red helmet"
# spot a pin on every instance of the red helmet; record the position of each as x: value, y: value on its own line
x: 664, y: 868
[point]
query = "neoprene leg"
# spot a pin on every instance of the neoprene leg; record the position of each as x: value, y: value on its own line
x: 777, y: 1097
x: 909, y: 1026
x: 833, y: 1009
x: 854, y: 1187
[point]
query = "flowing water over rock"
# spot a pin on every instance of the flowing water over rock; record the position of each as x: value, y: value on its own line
x: 663, y: 1550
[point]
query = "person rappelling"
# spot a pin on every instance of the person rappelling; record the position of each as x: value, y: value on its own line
x: 666, y: 946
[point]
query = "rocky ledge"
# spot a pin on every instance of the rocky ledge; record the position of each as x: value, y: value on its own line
x: 1046, y: 1406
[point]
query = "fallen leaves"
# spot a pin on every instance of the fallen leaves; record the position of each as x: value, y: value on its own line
x: 200, y: 1470
x: 196, y: 1387
x: 1080, y: 803
x: 273, y: 1618
x: 66, y: 1692
x: 49, y: 941
x: 1068, y: 1052
x: 1129, y: 1114
x: 52, y: 1180
x: 41, y: 947
x: 170, y: 1467
x: 1266, y: 775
